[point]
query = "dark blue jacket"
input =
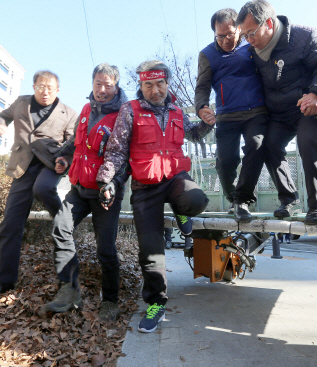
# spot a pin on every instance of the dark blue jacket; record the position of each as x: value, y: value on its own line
x: 234, y: 79
x: 297, y: 51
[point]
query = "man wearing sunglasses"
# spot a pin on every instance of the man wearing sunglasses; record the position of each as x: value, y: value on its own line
x: 228, y: 68
x: 42, y: 123
x: 286, y: 57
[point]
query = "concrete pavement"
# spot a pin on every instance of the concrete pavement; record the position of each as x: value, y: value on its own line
x: 268, y: 319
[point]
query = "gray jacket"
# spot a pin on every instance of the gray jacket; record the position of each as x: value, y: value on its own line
x: 42, y: 141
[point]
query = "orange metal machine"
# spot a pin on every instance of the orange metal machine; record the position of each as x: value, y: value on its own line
x: 220, y: 256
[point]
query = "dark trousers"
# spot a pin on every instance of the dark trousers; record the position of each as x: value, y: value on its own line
x: 168, y: 234
x: 186, y: 198
x: 228, y: 135
x: 278, y: 136
x: 37, y: 182
x: 73, y: 210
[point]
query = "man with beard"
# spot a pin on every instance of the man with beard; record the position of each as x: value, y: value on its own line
x: 150, y: 132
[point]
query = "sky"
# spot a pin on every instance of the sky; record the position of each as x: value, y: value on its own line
x: 53, y: 35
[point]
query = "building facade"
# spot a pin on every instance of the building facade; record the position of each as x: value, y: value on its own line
x: 11, y: 75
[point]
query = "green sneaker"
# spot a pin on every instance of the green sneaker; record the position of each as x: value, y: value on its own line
x: 185, y: 224
x: 154, y: 314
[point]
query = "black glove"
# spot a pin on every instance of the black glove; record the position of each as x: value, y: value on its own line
x: 112, y: 188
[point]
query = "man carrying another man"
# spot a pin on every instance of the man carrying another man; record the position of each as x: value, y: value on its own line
x: 286, y: 57
x: 227, y: 66
x: 42, y: 123
x: 151, y: 131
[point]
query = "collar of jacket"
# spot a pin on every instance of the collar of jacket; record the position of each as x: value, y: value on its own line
x: 104, y: 108
x: 146, y: 105
x: 284, y: 40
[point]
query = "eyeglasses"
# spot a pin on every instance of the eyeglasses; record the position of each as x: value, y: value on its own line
x: 250, y: 35
x: 229, y: 36
x: 41, y: 89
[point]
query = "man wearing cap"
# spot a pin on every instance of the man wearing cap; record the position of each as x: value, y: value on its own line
x: 286, y: 57
x: 151, y: 131
x: 42, y: 123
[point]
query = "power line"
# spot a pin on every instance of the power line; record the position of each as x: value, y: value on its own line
x: 164, y: 17
x: 196, y: 25
x: 92, y: 58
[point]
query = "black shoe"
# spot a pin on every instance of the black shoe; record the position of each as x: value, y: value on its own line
x: 231, y: 209
x: 4, y: 287
x: 311, y: 217
x: 287, y: 210
x: 67, y: 297
x: 109, y: 311
x: 241, y: 213
x: 168, y: 245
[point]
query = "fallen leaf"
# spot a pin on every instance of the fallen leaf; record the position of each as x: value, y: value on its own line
x: 98, y: 360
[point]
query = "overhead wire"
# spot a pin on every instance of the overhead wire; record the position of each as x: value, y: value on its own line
x: 90, y: 48
x: 196, y: 25
x: 164, y: 17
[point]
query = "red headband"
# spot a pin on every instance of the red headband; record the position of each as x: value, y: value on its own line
x: 152, y: 74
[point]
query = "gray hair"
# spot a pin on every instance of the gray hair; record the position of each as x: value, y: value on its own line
x: 223, y: 16
x: 45, y: 74
x: 261, y: 10
x: 107, y: 69
x: 152, y: 65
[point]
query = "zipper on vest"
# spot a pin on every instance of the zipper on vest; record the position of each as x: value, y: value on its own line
x: 222, y: 100
x: 163, y: 133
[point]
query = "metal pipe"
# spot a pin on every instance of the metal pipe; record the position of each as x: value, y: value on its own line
x: 258, y: 225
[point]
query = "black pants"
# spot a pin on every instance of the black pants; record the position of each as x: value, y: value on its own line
x: 73, y: 210
x: 228, y: 135
x: 186, y: 198
x: 40, y: 182
x: 278, y: 136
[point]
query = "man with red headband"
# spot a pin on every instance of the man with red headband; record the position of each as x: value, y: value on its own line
x: 150, y: 131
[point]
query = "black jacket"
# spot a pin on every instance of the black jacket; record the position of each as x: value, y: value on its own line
x: 284, y: 86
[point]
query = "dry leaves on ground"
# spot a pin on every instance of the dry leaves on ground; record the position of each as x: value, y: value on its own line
x: 75, y: 338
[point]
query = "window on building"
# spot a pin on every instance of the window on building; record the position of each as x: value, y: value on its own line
x: 4, y: 68
x: 12, y: 75
x: 2, y: 103
x: 10, y: 91
x: 3, y: 86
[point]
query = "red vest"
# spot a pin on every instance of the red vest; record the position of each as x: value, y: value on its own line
x: 86, y: 162
x: 155, y: 154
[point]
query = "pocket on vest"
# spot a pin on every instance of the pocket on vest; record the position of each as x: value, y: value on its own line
x: 181, y: 164
x: 146, y: 131
x: 177, y: 132
x: 147, y: 171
